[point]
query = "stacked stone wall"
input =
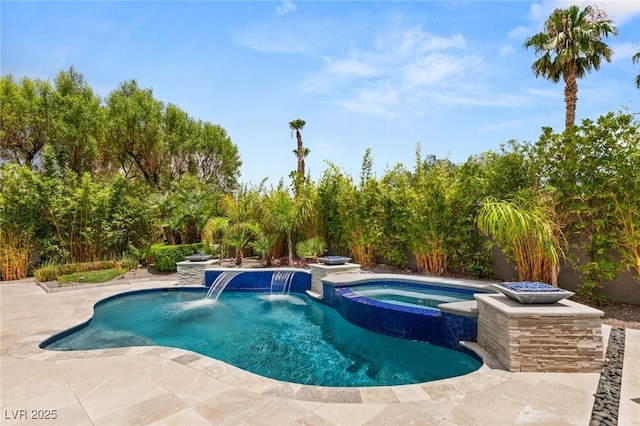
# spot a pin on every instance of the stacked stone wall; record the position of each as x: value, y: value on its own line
x: 192, y: 273
x: 538, y: 342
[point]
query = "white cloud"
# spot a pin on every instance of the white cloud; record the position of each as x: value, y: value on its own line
x: 263, y: 40
x: 437, y: 69
x: 621, y: 11
x: 519, y: 33
x: 540, y: 11
x: 398, y: 74
x: 478, y: 96
x: 287, y: 6
x: 624, y: 51
x: 393, y: 76
x: 506, y: 50
x: 416, y: 41
x: 378, y: 102
x: 349, y: 67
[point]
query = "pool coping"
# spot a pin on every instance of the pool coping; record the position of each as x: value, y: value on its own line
x: 490, y: 374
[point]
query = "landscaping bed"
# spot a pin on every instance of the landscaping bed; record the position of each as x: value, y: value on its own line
x: 136, y: 274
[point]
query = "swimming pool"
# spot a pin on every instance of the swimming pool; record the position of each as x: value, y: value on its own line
x: 289, y: 338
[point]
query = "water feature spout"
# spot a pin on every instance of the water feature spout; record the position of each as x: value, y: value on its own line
x: 220, y: 283
x: 281, y: 282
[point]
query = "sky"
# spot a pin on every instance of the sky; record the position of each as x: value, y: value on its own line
x: 385, y: 75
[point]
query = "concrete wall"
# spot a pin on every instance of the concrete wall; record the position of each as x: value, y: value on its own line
x: 625, y: 289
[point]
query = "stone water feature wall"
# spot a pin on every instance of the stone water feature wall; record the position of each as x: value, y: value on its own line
x: 319, y: 271
x: 192, y: 273
x: 561, y: 337
x: 259, y: 279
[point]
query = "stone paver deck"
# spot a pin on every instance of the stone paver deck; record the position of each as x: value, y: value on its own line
x: 166, y: 386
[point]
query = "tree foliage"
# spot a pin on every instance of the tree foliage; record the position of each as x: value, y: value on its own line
x: 134, y: 132
x: 63, y: 126
x: 85, y: 179
x: 20, y: 219
x: 77, y: 125
x: 25, y: 120
x: 595, y: 169
x: 353, y: 213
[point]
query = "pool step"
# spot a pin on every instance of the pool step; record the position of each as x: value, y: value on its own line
x: 467, y: 308
x: 314, y: 295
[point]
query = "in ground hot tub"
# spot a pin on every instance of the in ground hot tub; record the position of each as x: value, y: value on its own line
x: 414, y: 308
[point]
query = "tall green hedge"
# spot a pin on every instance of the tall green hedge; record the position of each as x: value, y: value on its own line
x: 165, y: 257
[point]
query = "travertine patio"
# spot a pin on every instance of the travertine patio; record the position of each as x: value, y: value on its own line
x: 154, y: 385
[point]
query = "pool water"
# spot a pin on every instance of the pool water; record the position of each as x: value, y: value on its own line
x: 288, y: 338
x: 427, y: 297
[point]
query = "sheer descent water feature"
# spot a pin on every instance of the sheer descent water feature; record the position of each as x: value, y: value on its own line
x: 219, y: 284
x: 281, y: 282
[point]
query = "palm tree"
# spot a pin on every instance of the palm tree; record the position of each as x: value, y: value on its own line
x: 215, y: 230
x: 193, y: 207
x: 263, y: 244
x: 571, y: 46
x: 164, y: 206
x: 284, y: 214
x: 239, y: 235
x: 297, y: 125
x: 636, y: 59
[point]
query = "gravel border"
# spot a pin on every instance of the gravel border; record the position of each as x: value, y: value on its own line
x: 607, y: 397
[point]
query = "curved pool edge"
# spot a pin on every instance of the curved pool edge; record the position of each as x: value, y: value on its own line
x: 481, y: 379
x: 28, y: 348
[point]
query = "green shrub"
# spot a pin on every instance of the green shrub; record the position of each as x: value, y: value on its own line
x: 48, y: 271
x: 70, y: 268
x: 143, y: 254
x: 128, y: 262
x: 165, y: 257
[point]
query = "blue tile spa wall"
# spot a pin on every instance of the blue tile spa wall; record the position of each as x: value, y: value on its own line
x: 259, y: 279
x: 427, y: 325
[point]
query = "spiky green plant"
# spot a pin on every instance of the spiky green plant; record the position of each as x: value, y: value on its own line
x: 311, y: 248
x: 263, y: 244
x: 239, y: 235
x: 284, y: 214
x: 528, y: 235
x: 214, y: 232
